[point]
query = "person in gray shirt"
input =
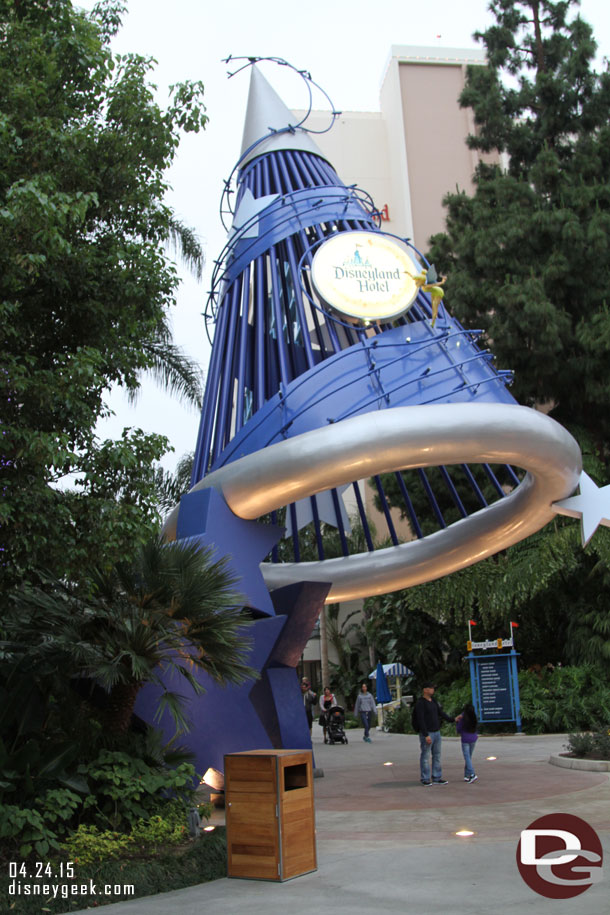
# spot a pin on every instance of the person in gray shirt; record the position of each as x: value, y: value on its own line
x: 365, y: 707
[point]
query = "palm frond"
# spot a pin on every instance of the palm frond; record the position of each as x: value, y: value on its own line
x: 172, y: 486
x: 170, y: 367
x: 185, y: 243
x: 174, y: 704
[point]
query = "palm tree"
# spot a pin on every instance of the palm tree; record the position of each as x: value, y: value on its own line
x: 347, y: 671
x: 167, y: 363
x: 172, y: 609
x: 170, y: 487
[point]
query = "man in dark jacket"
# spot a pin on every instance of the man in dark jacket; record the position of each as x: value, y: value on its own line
x: 309, y: 698
x: 427, y: 716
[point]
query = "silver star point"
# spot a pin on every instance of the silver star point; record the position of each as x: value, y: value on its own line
x: 592, y: 506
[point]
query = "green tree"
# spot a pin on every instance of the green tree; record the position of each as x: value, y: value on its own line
x: 406, y: 632
x: 528, y: 254
x: 443, y: 482
x: 86, y: 282
x: 528, y: 260
x: 556, y: 591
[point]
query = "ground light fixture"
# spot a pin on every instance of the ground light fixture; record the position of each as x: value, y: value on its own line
x: 213, y: 779
x: 216, y: 781
x: 490, y: 757
x: 388, y: 763
x: 209, y: 828
x: 465, y: 833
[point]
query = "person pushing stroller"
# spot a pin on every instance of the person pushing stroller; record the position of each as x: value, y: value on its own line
x: 327, y: 701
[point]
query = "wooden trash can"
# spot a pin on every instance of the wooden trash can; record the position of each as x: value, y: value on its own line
x: 270, y: 814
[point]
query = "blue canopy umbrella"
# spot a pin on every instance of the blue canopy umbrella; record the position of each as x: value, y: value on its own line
x: 381, y: 684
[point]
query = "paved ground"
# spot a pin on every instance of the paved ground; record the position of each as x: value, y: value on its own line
x: 387, y: 845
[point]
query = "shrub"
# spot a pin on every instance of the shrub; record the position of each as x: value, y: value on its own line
x: 567, y: 699
x: 122, y: 791
x: 25, y: 829
x: 594, y: 745
x: 38, y: 828
x: 398, y: 720
x: 453, y: 699
x: 89, y: 845
x: 351, y: 722
x: 128, y: 789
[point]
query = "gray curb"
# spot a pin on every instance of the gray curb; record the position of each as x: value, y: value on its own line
x: 588, y: 765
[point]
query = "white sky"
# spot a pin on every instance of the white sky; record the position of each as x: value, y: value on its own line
x: 344, y: 44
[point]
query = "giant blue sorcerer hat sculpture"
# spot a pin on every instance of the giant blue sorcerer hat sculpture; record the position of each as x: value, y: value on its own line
x: 328, y: 369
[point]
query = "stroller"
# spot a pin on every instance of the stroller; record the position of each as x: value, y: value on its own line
x: 335, y: 720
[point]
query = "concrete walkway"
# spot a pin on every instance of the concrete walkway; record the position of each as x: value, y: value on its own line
x: 387, y: 844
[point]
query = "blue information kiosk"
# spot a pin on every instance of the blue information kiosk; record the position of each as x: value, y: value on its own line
x: 494, y: 682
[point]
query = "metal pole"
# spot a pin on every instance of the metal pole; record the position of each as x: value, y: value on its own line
x: 473, y: 684
x: 515, y: 688
x: 324, y: 649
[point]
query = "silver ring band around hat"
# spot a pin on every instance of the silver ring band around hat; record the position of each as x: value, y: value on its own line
x: 402, y: 438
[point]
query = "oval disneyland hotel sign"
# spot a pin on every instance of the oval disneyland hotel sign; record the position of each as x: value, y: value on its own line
x: 366, y: 276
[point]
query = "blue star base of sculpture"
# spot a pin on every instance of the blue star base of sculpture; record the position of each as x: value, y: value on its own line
x: 205, y: 517
x: 267, y: 713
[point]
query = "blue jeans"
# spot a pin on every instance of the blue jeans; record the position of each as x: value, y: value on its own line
x: 468, y: 750
x: 424, y: 757
x: 365, y: 717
